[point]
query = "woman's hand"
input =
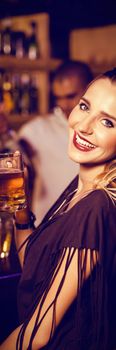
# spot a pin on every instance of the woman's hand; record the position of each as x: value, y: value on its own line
x: 22, y: 220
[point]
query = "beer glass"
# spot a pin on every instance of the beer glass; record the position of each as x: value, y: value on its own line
x: 12, y: 184
x: 6, y: 234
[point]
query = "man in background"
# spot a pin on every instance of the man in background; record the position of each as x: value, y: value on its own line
x: 48, y: 135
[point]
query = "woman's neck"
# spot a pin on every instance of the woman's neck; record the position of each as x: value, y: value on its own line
x: 87, y: 177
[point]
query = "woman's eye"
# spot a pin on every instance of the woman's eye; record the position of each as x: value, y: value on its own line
x: 83, y: 106
x: 108, y: 123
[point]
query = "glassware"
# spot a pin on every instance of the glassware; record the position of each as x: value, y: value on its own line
x: 6, y: 236
x: 6, y: 233
x: 12, y: 184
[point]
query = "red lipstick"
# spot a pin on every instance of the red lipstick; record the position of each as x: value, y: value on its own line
x: 81, y: 147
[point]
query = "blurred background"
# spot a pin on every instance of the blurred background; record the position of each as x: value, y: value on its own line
x: 36, y: 36
x: 65, y: 15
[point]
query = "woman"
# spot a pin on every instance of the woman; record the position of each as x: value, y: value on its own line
x: 67, y: 289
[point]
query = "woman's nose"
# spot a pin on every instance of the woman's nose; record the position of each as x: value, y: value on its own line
x: 86, y: 126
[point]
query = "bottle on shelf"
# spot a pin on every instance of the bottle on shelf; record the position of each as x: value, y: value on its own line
x: 6, y: 38
x: 33, y: 92
x: 7, y: 93
x: 16, y: 93
x: 25, y: 94
x: 33, y: 48
x: 19, y: 43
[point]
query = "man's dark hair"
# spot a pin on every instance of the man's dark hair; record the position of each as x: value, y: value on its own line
x: 72, y: 68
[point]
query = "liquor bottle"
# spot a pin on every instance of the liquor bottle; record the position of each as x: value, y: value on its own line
x: 33, y: 91
x: 33, y: 49
x: 7, y: 94
x: 6, y: 39
x: 16, y: 93
x: 25, y: 95
x: 19, y: 39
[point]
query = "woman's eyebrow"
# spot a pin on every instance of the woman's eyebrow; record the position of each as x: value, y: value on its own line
x: 85, y: 100
x: 102, y: 112
x: 108, y: 115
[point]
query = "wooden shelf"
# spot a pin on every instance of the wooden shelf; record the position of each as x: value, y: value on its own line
x: 25, y: 64
x: 41, y: 67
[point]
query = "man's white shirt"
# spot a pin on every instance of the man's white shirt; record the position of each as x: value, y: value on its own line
x: 49, y: 137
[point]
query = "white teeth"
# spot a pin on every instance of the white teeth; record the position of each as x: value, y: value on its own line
x: 84, y: 143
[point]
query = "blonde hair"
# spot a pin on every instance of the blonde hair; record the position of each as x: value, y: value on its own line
x: 107, y: 180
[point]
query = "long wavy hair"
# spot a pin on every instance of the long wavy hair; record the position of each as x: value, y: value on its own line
x: 107, y: 179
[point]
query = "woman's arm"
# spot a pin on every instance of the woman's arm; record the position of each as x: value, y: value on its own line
x: 65, y: 298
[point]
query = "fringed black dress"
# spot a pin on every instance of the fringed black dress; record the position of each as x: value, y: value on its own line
x: 90, y: 322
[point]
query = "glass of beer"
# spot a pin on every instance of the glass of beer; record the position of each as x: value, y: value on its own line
x: 12, y: 184
x: 6, y: 234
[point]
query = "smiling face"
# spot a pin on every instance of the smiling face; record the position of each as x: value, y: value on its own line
x: 92, y: 125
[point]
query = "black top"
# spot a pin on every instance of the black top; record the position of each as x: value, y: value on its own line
x: 90, y: 322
